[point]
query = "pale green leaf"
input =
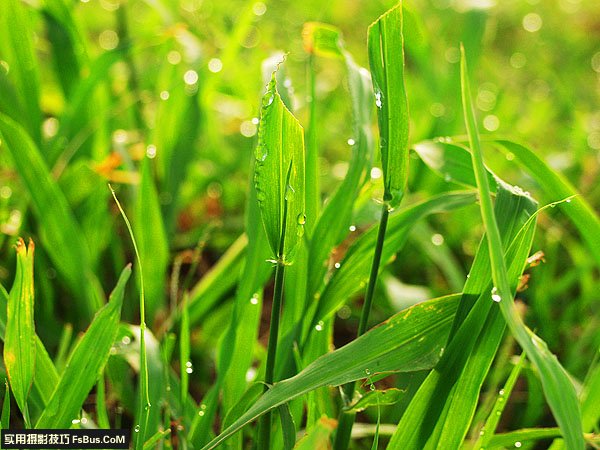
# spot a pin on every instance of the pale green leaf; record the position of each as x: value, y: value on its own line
x: 279, y: 174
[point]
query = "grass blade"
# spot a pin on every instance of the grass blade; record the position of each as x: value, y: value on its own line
x: 86, y: 362
x: 557, y: 187
x: 152, y: 241
x: 386, y: 58
x: 16, y: 45
x: 60, y: 231
x: 558, y: 388
x: 279, y: 174
x: 440, y: 413
x: 288, y: 427
x: 144, y: 396
x: 408, y: 341
x: 5, y: 419
x: 19, y: 339
x: 489, y: 428
x: 333, y: 223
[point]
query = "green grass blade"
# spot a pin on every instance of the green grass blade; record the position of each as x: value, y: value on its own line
x: 408, y: 341
x: 16, y: 46
x: 333, y: 223
x: 557, y: 187
x: 60, y: 231
x: 508, y: 440
x: 184, y: 352
x: 558, y: 388
x: 489, y: 428
x: 280, y: 152
x: 386, y: 58
x: 5, y: 419
x: 217, y: 282
x: 68, y: 45
x: 19, y: 339
x: 288, y: 426
x: 153, y: 440
x: 440, y: 413
x: 86, y: 362
x: 451, y: 161
x: 144, y: 396
x: 152, y: 241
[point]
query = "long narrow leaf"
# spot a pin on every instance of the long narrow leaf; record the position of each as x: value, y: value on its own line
x: 386, y: 57
x: 19, y: 339
x: 410, y: 340
x: 86, y: 362
x: 279, y: 174
x: 60, y: 231
x: 558, y: 388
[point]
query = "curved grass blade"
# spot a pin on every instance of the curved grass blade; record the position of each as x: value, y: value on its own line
x: 279, y: 174
x: 19, y: 339
x: 451, y: 161
x: 144, y: 396
x: 558, y: 187
x: 63, y: 236
x: 558, y: 388
x: 408, y: 341
x: 386, y: 58
x: 440, y: 413
x: 86, y: 362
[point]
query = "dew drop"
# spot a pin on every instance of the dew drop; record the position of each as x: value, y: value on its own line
x: 75, y: 421
x: 447, y: 177
x: 301, y: 219
x: 126, y: 340
x: 372, y: 387
x: 351, y: 141
x: 352, y: 228
x: 518, y: 444
x: 189, y: 370
x: 501, y: 392
x: 200, y: 413
x: 568, y: 200
x: 437, y: 239
x: 254, y: 299
x: 337, y: 265
x: 378, y: 99
x: 137, y: 429
x: 495, y: 295
x: 319, y: 326
x: 367, y: 371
